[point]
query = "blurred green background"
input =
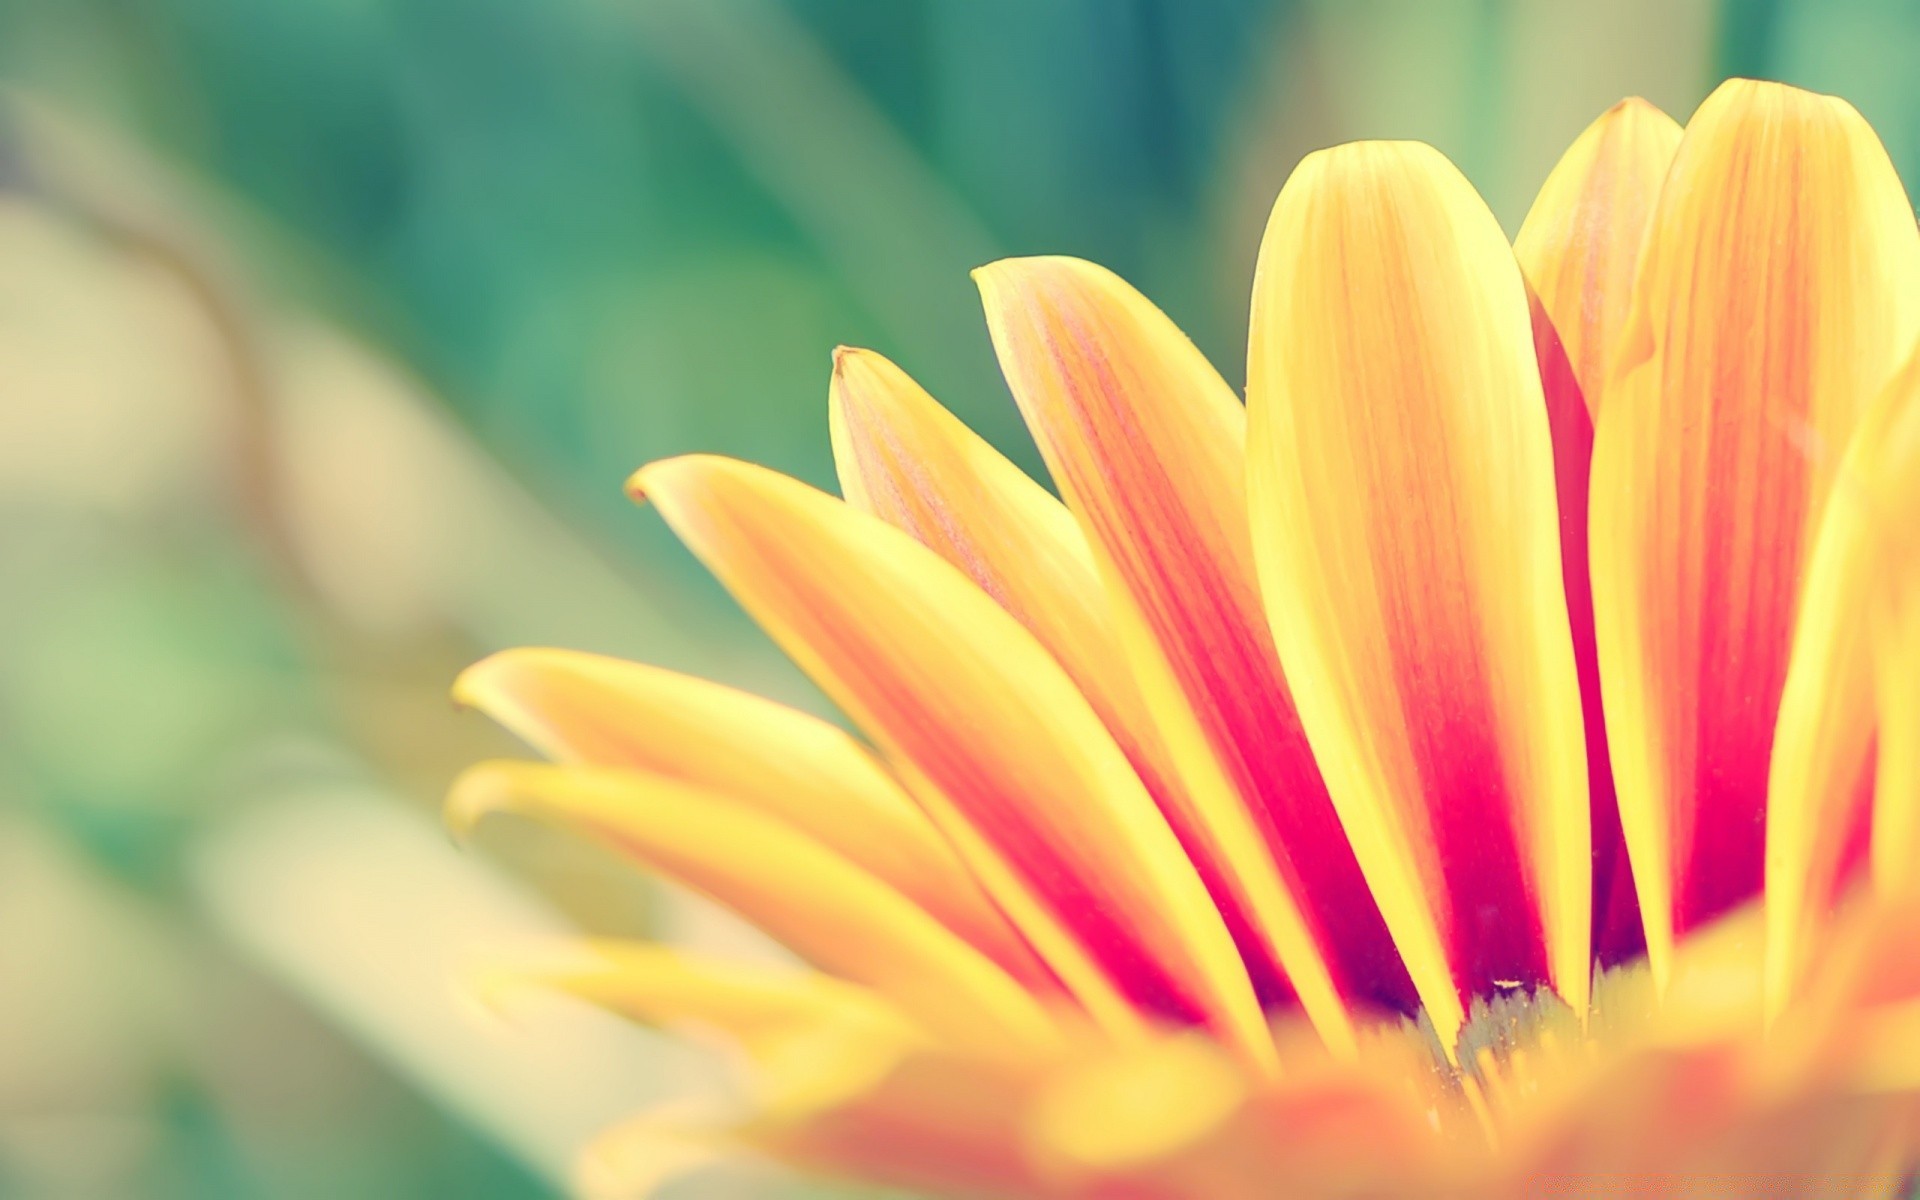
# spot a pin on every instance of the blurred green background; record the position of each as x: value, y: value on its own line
x: 328, y: 331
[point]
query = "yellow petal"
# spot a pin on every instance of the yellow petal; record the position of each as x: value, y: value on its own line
x: 822, y: 907
x: 806, y: 1041
x: 1401, y: 480
x: 810, y: 1041
x: 1891, y: 478
x: 639, y: 1157
x: 1892, y: 1061
x: 1779, y: 284
x: 1821, y: 783
x: 984, y: 728
x: 751, y: 1005
x: 605, y: 712
x: 936, y: 1125
x: 1581, y: 239
x: 1124, y: 1111
x: 1146, y: 443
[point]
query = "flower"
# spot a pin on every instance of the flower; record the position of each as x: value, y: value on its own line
x: 1486, y: 763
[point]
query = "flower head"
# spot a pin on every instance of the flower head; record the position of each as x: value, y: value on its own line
x: 1486, y: 762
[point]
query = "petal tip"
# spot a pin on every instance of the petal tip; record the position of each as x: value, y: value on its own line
x: 1769, y: 98
x: 1636, y: 113
x: 1004, y: 275
x: 666, y: 476
x: 472, y: 685
x: 487, y: 680
x: 481, y: 789
x: 988, y: 275
x: 1373, y: 150
x: 639, y: 484
x: 854, y: 369
x: 1357, y: 166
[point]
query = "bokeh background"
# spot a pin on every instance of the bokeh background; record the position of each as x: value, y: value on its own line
x: 328, y: 332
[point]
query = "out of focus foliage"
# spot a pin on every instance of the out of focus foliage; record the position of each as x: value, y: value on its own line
x: 328, y: 330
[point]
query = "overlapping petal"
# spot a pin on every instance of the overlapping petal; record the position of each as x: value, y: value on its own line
x: 1581, y: 240
x: 907, y: 460
x: 986, y: 731
x: 1146, y: 443
x: 1660, y: 1096
x: 816, y: 903
x: 607, y: 712
x: 749, y: 1007
x: 1578, y: 248
x: 1821, y: 783
x: 1779, y: 284
x: 1402, y: 485
x: 1165, y: 1119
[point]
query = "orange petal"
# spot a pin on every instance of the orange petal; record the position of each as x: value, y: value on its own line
x: 1779, y: 282
x: 1401, y: 479
x: 815, y: 902
x: 1577, y: 249
x: 1582, y: 237
x: 1821, y: 781
x: 984, y: 728
x: 606, y: 712
x: 907, y: 460
x: 1146, y: 443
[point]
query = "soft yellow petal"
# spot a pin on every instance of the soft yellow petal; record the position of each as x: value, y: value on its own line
x: 1581, y: 239
x: 1779, y: 285
x: 750, y: 1005
x: 1402, y: 487
x: 822, y: 907
x: 1121, y: 1111
x: 638, y: 1157
x: 810, y: 1041
x: 984, y: 727
x: 606, y: 712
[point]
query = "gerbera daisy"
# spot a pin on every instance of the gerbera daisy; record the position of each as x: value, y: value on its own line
x: 1487, y: 762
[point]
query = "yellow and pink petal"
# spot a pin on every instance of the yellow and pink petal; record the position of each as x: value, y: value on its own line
x: 1402, y: 484
x: 1578, y: 248
x: 1778, y: 288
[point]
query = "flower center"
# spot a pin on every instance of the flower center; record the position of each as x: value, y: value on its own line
x: 1518, y: 1039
